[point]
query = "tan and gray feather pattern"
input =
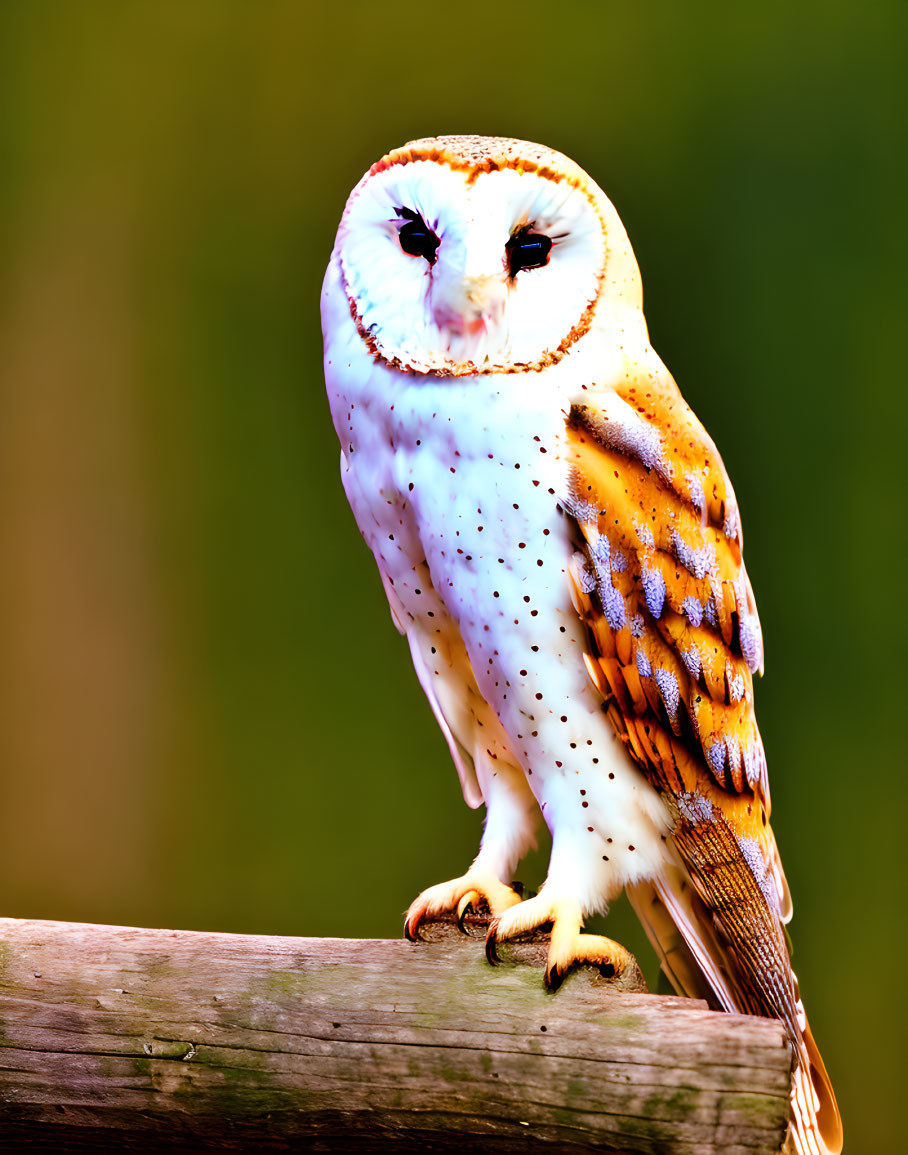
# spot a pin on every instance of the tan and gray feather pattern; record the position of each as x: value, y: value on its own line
x: 674, y: 641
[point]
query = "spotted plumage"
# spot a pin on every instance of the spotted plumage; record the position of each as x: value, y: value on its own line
x: 560, y: 544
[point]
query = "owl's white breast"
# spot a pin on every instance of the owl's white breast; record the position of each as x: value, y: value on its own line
x: 455, y: 484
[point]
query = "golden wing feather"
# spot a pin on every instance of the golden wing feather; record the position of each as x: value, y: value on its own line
x: 674, y: 641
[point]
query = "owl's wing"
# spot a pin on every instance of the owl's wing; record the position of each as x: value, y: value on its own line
x: 444, y: 693
x: 674, y: 641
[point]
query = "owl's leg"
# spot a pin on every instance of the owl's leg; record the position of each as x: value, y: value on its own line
x: 557, y: 906
x: 512, y: 818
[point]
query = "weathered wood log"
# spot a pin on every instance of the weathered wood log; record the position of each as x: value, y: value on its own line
x: 117, y: 1037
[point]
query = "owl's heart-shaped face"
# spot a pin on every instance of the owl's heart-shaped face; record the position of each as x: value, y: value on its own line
x: 454, y: 270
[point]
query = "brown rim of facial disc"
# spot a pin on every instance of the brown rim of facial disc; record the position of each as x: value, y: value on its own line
x: 478, y: 155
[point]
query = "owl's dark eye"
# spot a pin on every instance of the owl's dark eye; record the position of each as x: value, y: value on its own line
x: 415, y: 236
x: 527, y: 250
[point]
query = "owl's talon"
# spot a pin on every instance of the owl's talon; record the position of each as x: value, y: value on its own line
x: 457, y: 898
x: 492, y: 954
x: 553, y: 978
x: 464, y: 907
x: 411, y: 929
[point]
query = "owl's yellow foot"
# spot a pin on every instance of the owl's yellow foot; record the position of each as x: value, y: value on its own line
x: 456, y: 897
x: 568, y: 947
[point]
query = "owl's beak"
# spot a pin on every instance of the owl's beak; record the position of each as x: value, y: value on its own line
x: 472, y: 305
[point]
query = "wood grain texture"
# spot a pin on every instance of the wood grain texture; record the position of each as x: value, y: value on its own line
x: 120, y: 1037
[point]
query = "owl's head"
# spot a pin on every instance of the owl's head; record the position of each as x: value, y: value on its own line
x: 462, y: 255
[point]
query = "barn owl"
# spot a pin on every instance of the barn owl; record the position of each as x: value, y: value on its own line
x: 561, y: 546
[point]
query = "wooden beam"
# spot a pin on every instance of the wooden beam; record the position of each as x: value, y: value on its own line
x: 114, y: 1036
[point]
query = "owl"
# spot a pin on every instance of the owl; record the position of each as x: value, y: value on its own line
x: 561, y: 546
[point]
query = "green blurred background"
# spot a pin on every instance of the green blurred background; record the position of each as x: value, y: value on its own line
x: 206, y: 718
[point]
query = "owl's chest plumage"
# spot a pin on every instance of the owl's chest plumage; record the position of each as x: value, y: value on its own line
x: 465, y: 475
x: 473, y: 483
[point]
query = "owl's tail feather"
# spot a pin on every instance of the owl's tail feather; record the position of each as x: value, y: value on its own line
x: 697, y: 963
x: 816, y: 1127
